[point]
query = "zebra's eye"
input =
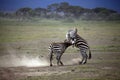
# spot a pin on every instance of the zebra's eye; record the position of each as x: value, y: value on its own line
x: 73, y: 38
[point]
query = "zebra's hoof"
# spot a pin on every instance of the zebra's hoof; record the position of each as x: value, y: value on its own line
x: 51, y: 65
x: 80, y: 63
x: 62, y: 64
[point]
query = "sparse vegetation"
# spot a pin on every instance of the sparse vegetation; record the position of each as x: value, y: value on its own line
x: 26, y: 33
x: 32, y: 38
x: 101, y: 35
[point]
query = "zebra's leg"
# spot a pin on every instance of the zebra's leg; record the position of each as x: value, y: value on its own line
x: 84, y: 56
x: 59, y: 59
x: 61, y: 63
x: 82, y: 59
x: 51, y: 58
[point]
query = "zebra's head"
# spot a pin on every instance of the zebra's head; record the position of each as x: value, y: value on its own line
x: 71, y: 35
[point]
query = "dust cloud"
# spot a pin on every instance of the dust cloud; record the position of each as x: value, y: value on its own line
x: 15, y: 61
x: 13, y: 57
x: 34, y: 62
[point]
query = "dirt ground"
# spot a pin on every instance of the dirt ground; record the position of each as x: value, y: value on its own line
x: 24, y: 50
x: 103, y: 65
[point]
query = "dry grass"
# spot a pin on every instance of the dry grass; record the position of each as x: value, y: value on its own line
x: 32, y: 38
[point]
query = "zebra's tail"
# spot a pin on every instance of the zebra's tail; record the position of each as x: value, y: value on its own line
x: 90, y: 56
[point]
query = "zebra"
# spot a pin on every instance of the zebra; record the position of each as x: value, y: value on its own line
x: 80, y: 43
x: 58, y: 48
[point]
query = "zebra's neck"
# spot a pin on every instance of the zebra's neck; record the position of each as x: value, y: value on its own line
x: 67, y: 44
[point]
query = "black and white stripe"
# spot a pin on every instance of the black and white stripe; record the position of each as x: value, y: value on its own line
x: 82, y: 44
x: 58, y: 49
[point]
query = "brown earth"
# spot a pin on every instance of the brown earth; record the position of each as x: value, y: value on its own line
x: 103, y: 65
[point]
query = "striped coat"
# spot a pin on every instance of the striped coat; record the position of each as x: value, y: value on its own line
x: 58, y: 49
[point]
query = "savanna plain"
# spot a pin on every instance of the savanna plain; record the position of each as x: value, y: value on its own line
x: 24, y: 51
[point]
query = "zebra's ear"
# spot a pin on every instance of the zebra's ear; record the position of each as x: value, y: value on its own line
x: 68, y: 36
x: 75, y: 29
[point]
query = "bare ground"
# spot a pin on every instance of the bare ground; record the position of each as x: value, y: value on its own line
x: 103, y: 65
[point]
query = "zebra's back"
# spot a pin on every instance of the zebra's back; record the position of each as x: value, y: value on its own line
x: 57, y: 47
x: 81, y: 43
